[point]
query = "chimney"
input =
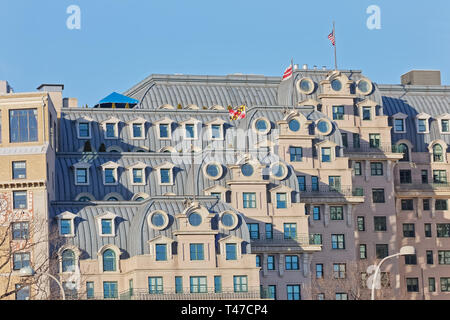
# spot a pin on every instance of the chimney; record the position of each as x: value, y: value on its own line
x: 5, y: 87
x: 55, y: 93
x: 70, y: 103
x: 422, y: 78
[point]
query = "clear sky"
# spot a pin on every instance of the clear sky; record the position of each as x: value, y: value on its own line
x: 123, y: 41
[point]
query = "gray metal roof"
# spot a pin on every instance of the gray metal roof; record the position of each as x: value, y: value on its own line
x: 413, y: 100
x: 132, y: 229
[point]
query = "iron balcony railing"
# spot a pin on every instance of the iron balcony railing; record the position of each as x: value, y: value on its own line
x: 424, y: 186
x: 281, y: 239
x: 321, y: 190
x: 369, y: 148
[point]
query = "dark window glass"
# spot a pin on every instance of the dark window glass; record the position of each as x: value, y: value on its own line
x: 409, y: 230
x: 403, y: 148
x: 361, y: 224
x: 380, y: 223
x: 426, y: 204
x: 345, y: 140
x: 378, y: 196
x: 21, y: 260
x: 110, y: 290
x: 249, y: 200
x: 301, y: 183
x: 269, y: 231
x: 357, y: 168
x: 444, y: 257
x: 412, y: 284
x: 441, y: 204
x: 439, y: 176
x: 405, y: 176
x: 164, y: 131
x: 337, y: 213
x: 382, y: 251
x: 109, y: 260
x: 431, y: 284
x: 411, y: 259
x: 315, y: 183
x: 428, y: 232
x: 82, y: 176
x: 319, y: 271
x: 407, y: 204
x: 338, y: 241
x: 374, y: 140
x: 231, y: 251
x: 399, y: 125
x: 196, y: 251
x: 362, y: 251
x: 424, y: 176
x: 137, y: 130
x: 316, y: 213
x: 443, y: 230
x: 161, y: 252
x: 376, y: 168
x: 430, y: 259
x: 270, y: 262
x: 356, y: 141
x: 291, y: 263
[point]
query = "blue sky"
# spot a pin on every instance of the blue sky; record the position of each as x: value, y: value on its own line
x: 123, y: 41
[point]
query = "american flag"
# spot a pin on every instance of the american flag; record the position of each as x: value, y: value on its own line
x: 332, y: 38
x: 288, y: 73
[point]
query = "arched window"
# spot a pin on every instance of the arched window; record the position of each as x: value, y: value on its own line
x: 68, y: 261
x: 403, y: 148
x: 109, y: 260
x: 438, y: 155
x: 112, y: 199
x: 84, y: 199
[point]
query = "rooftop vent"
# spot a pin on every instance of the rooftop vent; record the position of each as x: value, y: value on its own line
x: 422, y: 78
x: 5, y: 87
x: 295, y: 66
x: 305, y: 67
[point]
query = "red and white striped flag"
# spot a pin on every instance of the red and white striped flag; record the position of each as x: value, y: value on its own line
x: 288, y: 73
x: 332, y: 38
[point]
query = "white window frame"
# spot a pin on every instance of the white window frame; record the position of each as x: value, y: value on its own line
x: 426, y: 117
x: 110, y: 165
x: 66, y: 216
x: 89, y: 122
x: 281, y: 189
x: 169, y: 166
x: 106, y: 216
x: 231, y: 239
x: 139, y: 165
x: 216, y: 122
x: 400, y: 116
x: 445, y: 116
x: 81, y: 165
x: 161, y: 240
x: 141, y: 122
x: 194, y: 122
x: 165, y: 121
x: 115, y: 122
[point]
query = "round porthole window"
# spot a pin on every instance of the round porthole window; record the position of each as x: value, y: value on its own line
x: 247, y: 170
x: 364, y: 86
x: 261, y: 126
x: 229, y: 220
x: 278, y: 171
x: 336, y: 85
x: 306, y: 86
x: 195, y: 219
x: 158, y: 220
x: 324, y: 127
x: 140, y: 199
x: 294, y: 125
x: 213, y: 170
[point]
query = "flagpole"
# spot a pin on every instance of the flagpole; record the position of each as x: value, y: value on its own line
x: 293, y: 82
x: 335, y: 54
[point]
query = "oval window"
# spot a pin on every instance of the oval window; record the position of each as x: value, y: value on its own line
x: 305, y: 85
x: 227, y: 220
x: 294, y: 125
x: 261, y: 125
x: 278, y: 170
x: 195, y: 219
x: 247, y: 170
x: 364, y: 86
x: 323, y: 127
x: 212, y: 170
x: 158, y: 220
x: 336, y: 85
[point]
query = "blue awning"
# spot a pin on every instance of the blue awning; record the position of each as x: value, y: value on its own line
x: 118, y: 98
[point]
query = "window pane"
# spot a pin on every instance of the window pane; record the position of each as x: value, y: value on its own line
x: 20, y: 199
x: 19, y: 170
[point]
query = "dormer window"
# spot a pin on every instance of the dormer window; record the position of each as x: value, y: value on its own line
x: 110, y: 173
x: 216, y: 132
x: 281, y: 197
x: 422, y: 125
x: 106, y: 224
x: 164, y: 128
x: 261, y: 126
x: 137, y: 173
x: 445, y: 125
x: 367, y: 113
x: 84, y: 128
x: 81, y: 173
x: 107, y: 227
x: 336, y: 85
x: 66, y: 224
x: 190, y: 129
x: 247, y: 170
x: 164, y: 131
x: 438, y: 155
x: 326, y: 154
x: 165, y: 174
x: 195, y: 219
x: 111, y: 128
x: 231, y: 251
x: 137, y: 128
x: 281, y: 200
x: 399, y: 125
x: 403, y: 148
x: 66, y: 227
x: 294, y: 125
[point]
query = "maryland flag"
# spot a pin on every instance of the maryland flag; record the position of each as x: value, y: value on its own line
x: 237, y: 114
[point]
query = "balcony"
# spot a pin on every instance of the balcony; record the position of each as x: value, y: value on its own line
x: 366, y: 150
x: 330, y: 191
x: 423, y: 189
x: 248, y: 293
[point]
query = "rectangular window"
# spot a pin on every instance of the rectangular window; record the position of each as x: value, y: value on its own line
x: 337, y: 213
x: 441, y: 204
x: 361, y: 224
x: 411, y: 259
x: 399, y: 125
x: 374, y: 140
x: 161, y: 252
x: 198, y: 285
x: 273, y: 292
x: 164, y: 131
x: 258, y: 261
x: 326, y: 154
x: 357, y: 168
x: 178, y: 284
x: 367, y: 114
x: 445, y: 126
x: 110, y: 177
x: 90, y: 292
x: 23, y: 292
x: 110, y: 290
x: 315, y: 183
x: 334, y: 183
x: 23, y: 125
x: 320, y: 296
x: 296, y: 154
x: 344, y: 140
x: 106, y: 226
x: 190, y: 134
x: 270, y: 262
x: 21, y: 260
x: 426, y: 204
x: 439, y: 176
x: 231, y: 251
x: 291, y: 262
x: 380, y: 223
x: 337, y: 241
x: 339, y: 271
x: 430, y: 258
x: 412, y: 284
x: 362, y: 251
x: 253, y: 228
x: 293, y: 292
x: 316, y: 213
x: 443, y: 230
x: 428, y: 232
x: 138, y: 176
x: 20, y: 200
x: 240, y: 283
x: 338, y: 113
x: 316, y: 239
x: 196, y: 251
x: 378, y: 196
x: 137, y: 130
x: 445, y: 284
x: 301, y: 183
x: 281, y: 200
x: 444, y: 257
x: 356, y: 141
x: 424, y: 176
x: 216, y: 131
x: 341, y: 296
x: 165, y: 176
x: 20, y: 231
x: 422, y: 125
x: 431, y: 284
x: 110, y: 130
x: 407, y: 204
x: 84, y: 130
x: 19, y: 170
x: 82, y: 175
x: 290, y: 231
x: 66, y: 226
x: 249, y: 200
x: 155, y: 285
x: 269, y: 231
x: 376, y: 168
x: 382, y: 251
x: 217, y: 284
x: 319, y: 271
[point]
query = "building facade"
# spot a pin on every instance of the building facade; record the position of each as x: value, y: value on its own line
x: 158, y: 193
